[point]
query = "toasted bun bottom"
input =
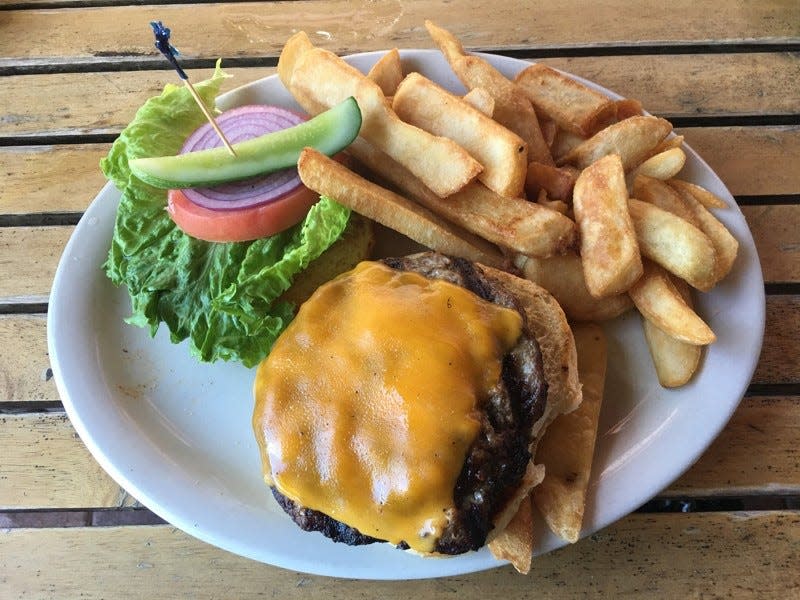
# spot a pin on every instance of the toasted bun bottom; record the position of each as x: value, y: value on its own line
x: 560, y: 361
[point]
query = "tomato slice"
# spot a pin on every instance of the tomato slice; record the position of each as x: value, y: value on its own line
x: 243, y: 224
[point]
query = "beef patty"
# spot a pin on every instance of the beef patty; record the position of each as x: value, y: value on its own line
x: 497, y: 459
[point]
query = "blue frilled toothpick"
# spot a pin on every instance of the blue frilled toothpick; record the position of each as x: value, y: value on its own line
x: 169, y: 51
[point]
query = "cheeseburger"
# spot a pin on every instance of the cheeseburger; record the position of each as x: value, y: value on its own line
x: 404, y: 402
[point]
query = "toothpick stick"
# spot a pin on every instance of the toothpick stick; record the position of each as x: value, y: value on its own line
x: 162, y: 44
x: 211, y: 120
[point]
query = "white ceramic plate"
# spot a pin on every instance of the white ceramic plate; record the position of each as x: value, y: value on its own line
x: 176, y: 433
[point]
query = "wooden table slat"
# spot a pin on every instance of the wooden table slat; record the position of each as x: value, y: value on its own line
x: 697, y: 84
x: 33, y: 252
x: 46, y: 179
x: 755, y: 555
x: 709, y: 85
x: 774, y: 229
x: 45, y: 465
x: 24, y: 362
x: 756, y: 453
x: 260, y: 29
x: 780, y: 357
x: 751, y: 161
x: 89, y: 103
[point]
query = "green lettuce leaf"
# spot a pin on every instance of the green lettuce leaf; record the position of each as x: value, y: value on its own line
x: 223, y: 298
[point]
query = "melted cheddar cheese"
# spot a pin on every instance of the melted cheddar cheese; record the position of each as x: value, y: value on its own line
x: 366, y: 405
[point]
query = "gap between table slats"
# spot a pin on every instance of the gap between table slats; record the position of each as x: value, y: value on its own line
x: 116, y: 63
x: 127, y: 561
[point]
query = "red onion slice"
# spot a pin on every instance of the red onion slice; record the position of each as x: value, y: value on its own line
x: 240, y: 124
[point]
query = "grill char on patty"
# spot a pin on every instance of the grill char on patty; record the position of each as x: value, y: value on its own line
x: 497, y: 460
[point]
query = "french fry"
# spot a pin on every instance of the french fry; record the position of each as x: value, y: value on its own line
x: 675, y: 361
x: 567, y: 448
x: 706, y: 198
x: 503, y: 154
x: 542, y: 198
x: 387, y: 72
x: 320, y: 79
x: 725, y: 245
x: 514, y: 542
x: 609, y: 250
x: 664, y: 196
x: 632, y: 139
x: 669, y: 142
x: 557, y: 205
x: 563, y: 143
x: 675, y: 244
x: 330, y: 178
x: 558, y: 182
x: 549, y: 131
x: 448, y: 44
x: 512, y: 107
x: 481, y: 99
x: 664, y: 165
x: 627, y: 107
x: 295, y: 46
x: 513, y: 223
x: 660, y: 302
x: 562, y: 276
x: 572, y: 105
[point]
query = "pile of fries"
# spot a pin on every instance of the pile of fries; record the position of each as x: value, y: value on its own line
x: 543, y: 176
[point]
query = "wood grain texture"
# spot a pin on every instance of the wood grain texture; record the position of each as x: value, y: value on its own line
x: 42, y: 179
x: 89, y: 103
x: 780, y: 356
x: 649, y: 556
x: 776, y: 229
x: 750, y: 160
x: 260, y: 28
x: 45, y: 465
x: 38, y: 4
x: 756, y: 453
x: 691, y: 85
x: 24, y: 362
x: 697, y: 84
x: 32, y: 255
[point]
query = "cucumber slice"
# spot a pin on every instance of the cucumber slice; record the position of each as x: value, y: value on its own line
x: 329, y: 132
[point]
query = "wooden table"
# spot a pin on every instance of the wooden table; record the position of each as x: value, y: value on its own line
x: 73, y: 73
